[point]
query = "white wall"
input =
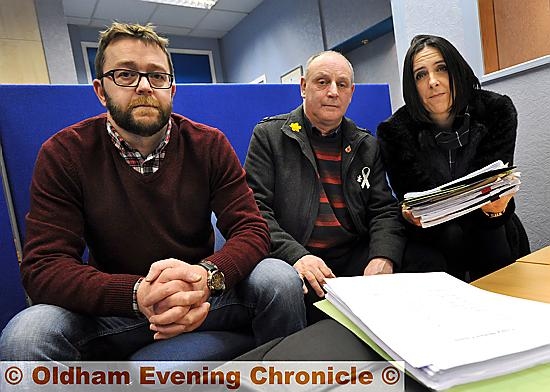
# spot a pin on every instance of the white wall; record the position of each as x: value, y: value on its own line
x: 276, y: 37
x: 529, y: 92
x: 376, y: 62
x: 281, y: 34
x: 56, y: 42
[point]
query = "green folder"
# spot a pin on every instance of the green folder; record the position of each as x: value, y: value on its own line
x: 535, y: 379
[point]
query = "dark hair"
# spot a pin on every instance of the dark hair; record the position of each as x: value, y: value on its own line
x: 462, y: 80
x: 145, y: 33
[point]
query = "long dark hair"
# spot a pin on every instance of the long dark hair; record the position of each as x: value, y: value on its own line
x: 462, y: 80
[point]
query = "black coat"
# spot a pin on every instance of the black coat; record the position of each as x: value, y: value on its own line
x: 415, y: 162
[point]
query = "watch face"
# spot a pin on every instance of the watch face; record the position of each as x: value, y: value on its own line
x: 218, y: 281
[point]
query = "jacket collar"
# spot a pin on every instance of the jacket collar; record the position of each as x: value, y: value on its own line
x: 295, y: 124
x: 295, y: 128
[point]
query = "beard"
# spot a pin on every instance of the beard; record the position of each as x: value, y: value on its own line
x: 124, y: 117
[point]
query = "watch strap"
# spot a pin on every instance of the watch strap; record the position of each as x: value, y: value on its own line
x: 213, y: 274
x: 208, y: 265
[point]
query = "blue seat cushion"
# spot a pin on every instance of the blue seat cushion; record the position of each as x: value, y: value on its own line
x: 197, y: 346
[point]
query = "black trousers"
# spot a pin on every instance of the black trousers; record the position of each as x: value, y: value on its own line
x: 326, y: 340
x: 460, y: 247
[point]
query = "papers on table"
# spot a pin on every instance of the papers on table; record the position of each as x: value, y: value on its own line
x: 463, y: 195
x: 447, y: 332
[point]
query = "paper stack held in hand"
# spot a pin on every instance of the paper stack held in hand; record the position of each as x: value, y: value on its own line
x: 463, y: 195
x: 448, y: 332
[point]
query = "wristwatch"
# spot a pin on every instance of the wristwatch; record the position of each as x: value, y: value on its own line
x: 215, y: 278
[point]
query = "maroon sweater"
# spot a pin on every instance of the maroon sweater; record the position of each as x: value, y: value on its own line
x: 84, y: 193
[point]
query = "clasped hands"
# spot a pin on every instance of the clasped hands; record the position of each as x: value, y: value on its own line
x: 315, y: 271
x: 173, y: 296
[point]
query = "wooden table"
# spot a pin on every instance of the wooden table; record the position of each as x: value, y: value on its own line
x: 521, y: 279
x: 541, y: 256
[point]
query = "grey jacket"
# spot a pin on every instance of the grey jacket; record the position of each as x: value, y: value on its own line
x: 282, y: 171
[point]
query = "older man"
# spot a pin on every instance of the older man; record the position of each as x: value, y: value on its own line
x: 319, y: 182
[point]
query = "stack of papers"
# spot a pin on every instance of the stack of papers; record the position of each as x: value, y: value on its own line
x: 448, y: 332
x: 463, y: 195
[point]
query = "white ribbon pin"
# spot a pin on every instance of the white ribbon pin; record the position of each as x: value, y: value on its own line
x: 363, y: 178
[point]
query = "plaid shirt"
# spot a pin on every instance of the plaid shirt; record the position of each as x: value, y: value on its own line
x: 144, y: 165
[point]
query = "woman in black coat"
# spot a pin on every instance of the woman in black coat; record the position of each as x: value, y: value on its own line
x: 450, y: 127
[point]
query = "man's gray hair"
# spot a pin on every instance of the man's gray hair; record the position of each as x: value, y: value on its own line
x: 308, y: 63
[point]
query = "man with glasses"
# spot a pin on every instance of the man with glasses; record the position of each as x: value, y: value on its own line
x: 137, y: 186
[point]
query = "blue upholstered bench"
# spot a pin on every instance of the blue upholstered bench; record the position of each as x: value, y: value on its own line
x: 31, y: 114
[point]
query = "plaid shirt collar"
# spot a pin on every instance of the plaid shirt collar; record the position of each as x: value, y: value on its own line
x: 143, y: 165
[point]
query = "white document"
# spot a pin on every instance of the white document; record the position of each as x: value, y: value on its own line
x: 441, y: 216
x: 441, y: 326
x: 463, y: 195
x: 493, y: 166
x: 462, y: 199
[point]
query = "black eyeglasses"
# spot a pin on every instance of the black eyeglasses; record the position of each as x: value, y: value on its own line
x: 130, y: 78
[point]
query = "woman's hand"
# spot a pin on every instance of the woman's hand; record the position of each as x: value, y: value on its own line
x: 407, y: 214
x: 497, y: 206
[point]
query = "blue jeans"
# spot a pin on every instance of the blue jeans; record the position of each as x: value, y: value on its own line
x: 269, y: 302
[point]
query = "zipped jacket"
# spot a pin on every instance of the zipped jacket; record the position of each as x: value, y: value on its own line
x: 282, y: 171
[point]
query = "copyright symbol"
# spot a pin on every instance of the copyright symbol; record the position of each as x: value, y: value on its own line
x: 13, y: 375
x: 390, y: 375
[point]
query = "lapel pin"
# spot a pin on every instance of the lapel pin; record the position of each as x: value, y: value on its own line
x: 295, y: 127
x: 363, y: 178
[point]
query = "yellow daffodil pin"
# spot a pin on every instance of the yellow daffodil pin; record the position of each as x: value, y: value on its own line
x: 295, y: 127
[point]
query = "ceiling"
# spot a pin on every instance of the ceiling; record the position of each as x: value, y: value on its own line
x: 169, y: 19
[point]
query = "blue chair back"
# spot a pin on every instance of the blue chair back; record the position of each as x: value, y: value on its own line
x: 12, y: 296
x: 30, y: 114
